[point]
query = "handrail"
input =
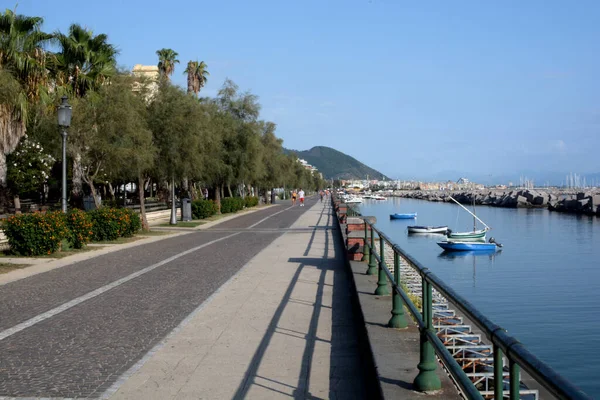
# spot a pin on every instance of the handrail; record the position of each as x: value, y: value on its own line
x: 514, y: 351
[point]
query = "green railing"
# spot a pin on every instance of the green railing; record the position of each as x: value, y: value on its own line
x: 430, y: 344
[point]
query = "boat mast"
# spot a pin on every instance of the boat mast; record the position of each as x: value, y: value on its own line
x: 466, y: 209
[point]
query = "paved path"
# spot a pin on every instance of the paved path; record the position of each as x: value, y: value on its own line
x: 278, y: 328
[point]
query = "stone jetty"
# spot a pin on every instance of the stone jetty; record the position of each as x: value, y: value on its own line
x: 554, y: 199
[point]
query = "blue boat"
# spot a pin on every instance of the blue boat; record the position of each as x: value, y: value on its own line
x: 469, y: 246
x: 403, y: 216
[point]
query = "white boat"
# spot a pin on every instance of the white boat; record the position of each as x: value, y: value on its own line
x: 378, y: 197
x: 427, y: 229
x: 353, y: 200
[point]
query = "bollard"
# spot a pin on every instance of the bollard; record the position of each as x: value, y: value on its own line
x: 382, y: 289
x: 398, y: 319
x: 427, y: 380
x: 372, y: 270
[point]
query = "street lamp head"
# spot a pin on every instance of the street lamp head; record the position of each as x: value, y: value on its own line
x: 64, y: 113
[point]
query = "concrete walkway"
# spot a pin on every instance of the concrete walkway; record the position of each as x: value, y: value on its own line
x: 281, y: 327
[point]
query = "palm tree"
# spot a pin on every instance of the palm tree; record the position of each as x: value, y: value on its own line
x: 167, y: 58
x: 85, y: 62
x: 196, y: 76
x: 22, y: 77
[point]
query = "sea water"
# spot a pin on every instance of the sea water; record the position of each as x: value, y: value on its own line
x: 543, y: 286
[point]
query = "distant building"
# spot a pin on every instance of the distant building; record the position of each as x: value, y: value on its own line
x: 149, y: 78
x: 463, y: 181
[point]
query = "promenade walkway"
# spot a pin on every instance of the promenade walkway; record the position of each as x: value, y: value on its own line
x: 254, y: 307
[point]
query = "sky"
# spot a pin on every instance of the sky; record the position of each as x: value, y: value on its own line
x: 417, y: 90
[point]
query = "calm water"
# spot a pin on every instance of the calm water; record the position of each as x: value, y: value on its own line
x: 543, y: 287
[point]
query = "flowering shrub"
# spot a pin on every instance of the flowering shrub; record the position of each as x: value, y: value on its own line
x: 36, y: 234
x: 80, y: 228
x: 203, y: 209
x: 28, y: 166
x: 112, y: 223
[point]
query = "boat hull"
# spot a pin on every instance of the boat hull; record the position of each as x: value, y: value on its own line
x: 467, y: 246
x: 403, y: 216
x: 427, y: 229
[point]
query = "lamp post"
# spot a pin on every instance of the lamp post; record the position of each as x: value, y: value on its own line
x: 64, y: 121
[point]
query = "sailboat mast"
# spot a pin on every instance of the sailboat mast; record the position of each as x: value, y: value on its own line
x: 467, y: 210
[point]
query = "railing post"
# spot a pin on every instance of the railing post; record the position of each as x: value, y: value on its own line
x: 398, y: 320
x: 366, y: 252
x: 515, y: 380
x: 382, y: 287
x: 427, y: 380
x: 372, y: 264
x: 498, y: 373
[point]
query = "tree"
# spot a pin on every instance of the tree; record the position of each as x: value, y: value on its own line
x: 178, y: 125
x: 22, y: 50
x: 197, y: 75
x: 22, y: 77
x: 110, y: 133
x: 167, y: 58
x: 85, y: 61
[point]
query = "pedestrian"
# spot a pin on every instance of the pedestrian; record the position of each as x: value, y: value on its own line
x: 322, y: 194
x: 205, y: 194
x: 294, y: 197
x: 301, y: 196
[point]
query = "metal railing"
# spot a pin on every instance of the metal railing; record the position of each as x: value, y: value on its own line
x: 503, y: 345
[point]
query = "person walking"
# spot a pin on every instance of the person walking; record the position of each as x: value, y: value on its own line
x: 322, y: 194
x: 301, y: 196
x: 294, y: 197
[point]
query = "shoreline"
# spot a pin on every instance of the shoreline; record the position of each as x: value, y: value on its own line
x: 566, y: 201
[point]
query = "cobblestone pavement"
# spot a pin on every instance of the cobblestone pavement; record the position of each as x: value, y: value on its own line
x: 80, y: 351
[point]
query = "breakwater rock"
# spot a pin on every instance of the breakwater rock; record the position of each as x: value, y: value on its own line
x: 553, y: 199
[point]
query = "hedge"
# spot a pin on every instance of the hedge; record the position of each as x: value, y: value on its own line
x: 231, y: 204
x: 80, y: 227
x: 251, y: 201
x: 112, y: 223
x: 41, y: 234
x: 36, y: 234
x: 203, y: 209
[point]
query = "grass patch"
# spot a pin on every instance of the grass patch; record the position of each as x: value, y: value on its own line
x: 7, y: 267
x: 154, y: 233
x: 186, y: 224
x: 121, y: 240
x: 58, y: 254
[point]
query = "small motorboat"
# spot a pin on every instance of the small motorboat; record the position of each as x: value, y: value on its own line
x: 403, y: 216
x: 427, y: 229
x: 378, y: 197
x: 450, y: 245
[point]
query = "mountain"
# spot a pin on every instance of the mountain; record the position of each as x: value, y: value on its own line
x: 334, y: 164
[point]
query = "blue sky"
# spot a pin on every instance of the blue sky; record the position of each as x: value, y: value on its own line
x: 414, y: 89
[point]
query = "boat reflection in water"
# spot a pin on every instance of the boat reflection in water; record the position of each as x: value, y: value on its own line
x: 473, y: 255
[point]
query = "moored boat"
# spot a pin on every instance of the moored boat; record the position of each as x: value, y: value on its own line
x: 427, y: 229
x: 450, y: 245
x: 353, y: 200
x: 476, y: 235
x: 403, y: 216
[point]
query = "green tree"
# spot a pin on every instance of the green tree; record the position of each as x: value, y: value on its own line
x: 110, y: 133
x: 197, y: 75
x: 84, y: 62
x: 167, y: 58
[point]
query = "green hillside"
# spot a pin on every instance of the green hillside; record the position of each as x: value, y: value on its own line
x: 334, y: 164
